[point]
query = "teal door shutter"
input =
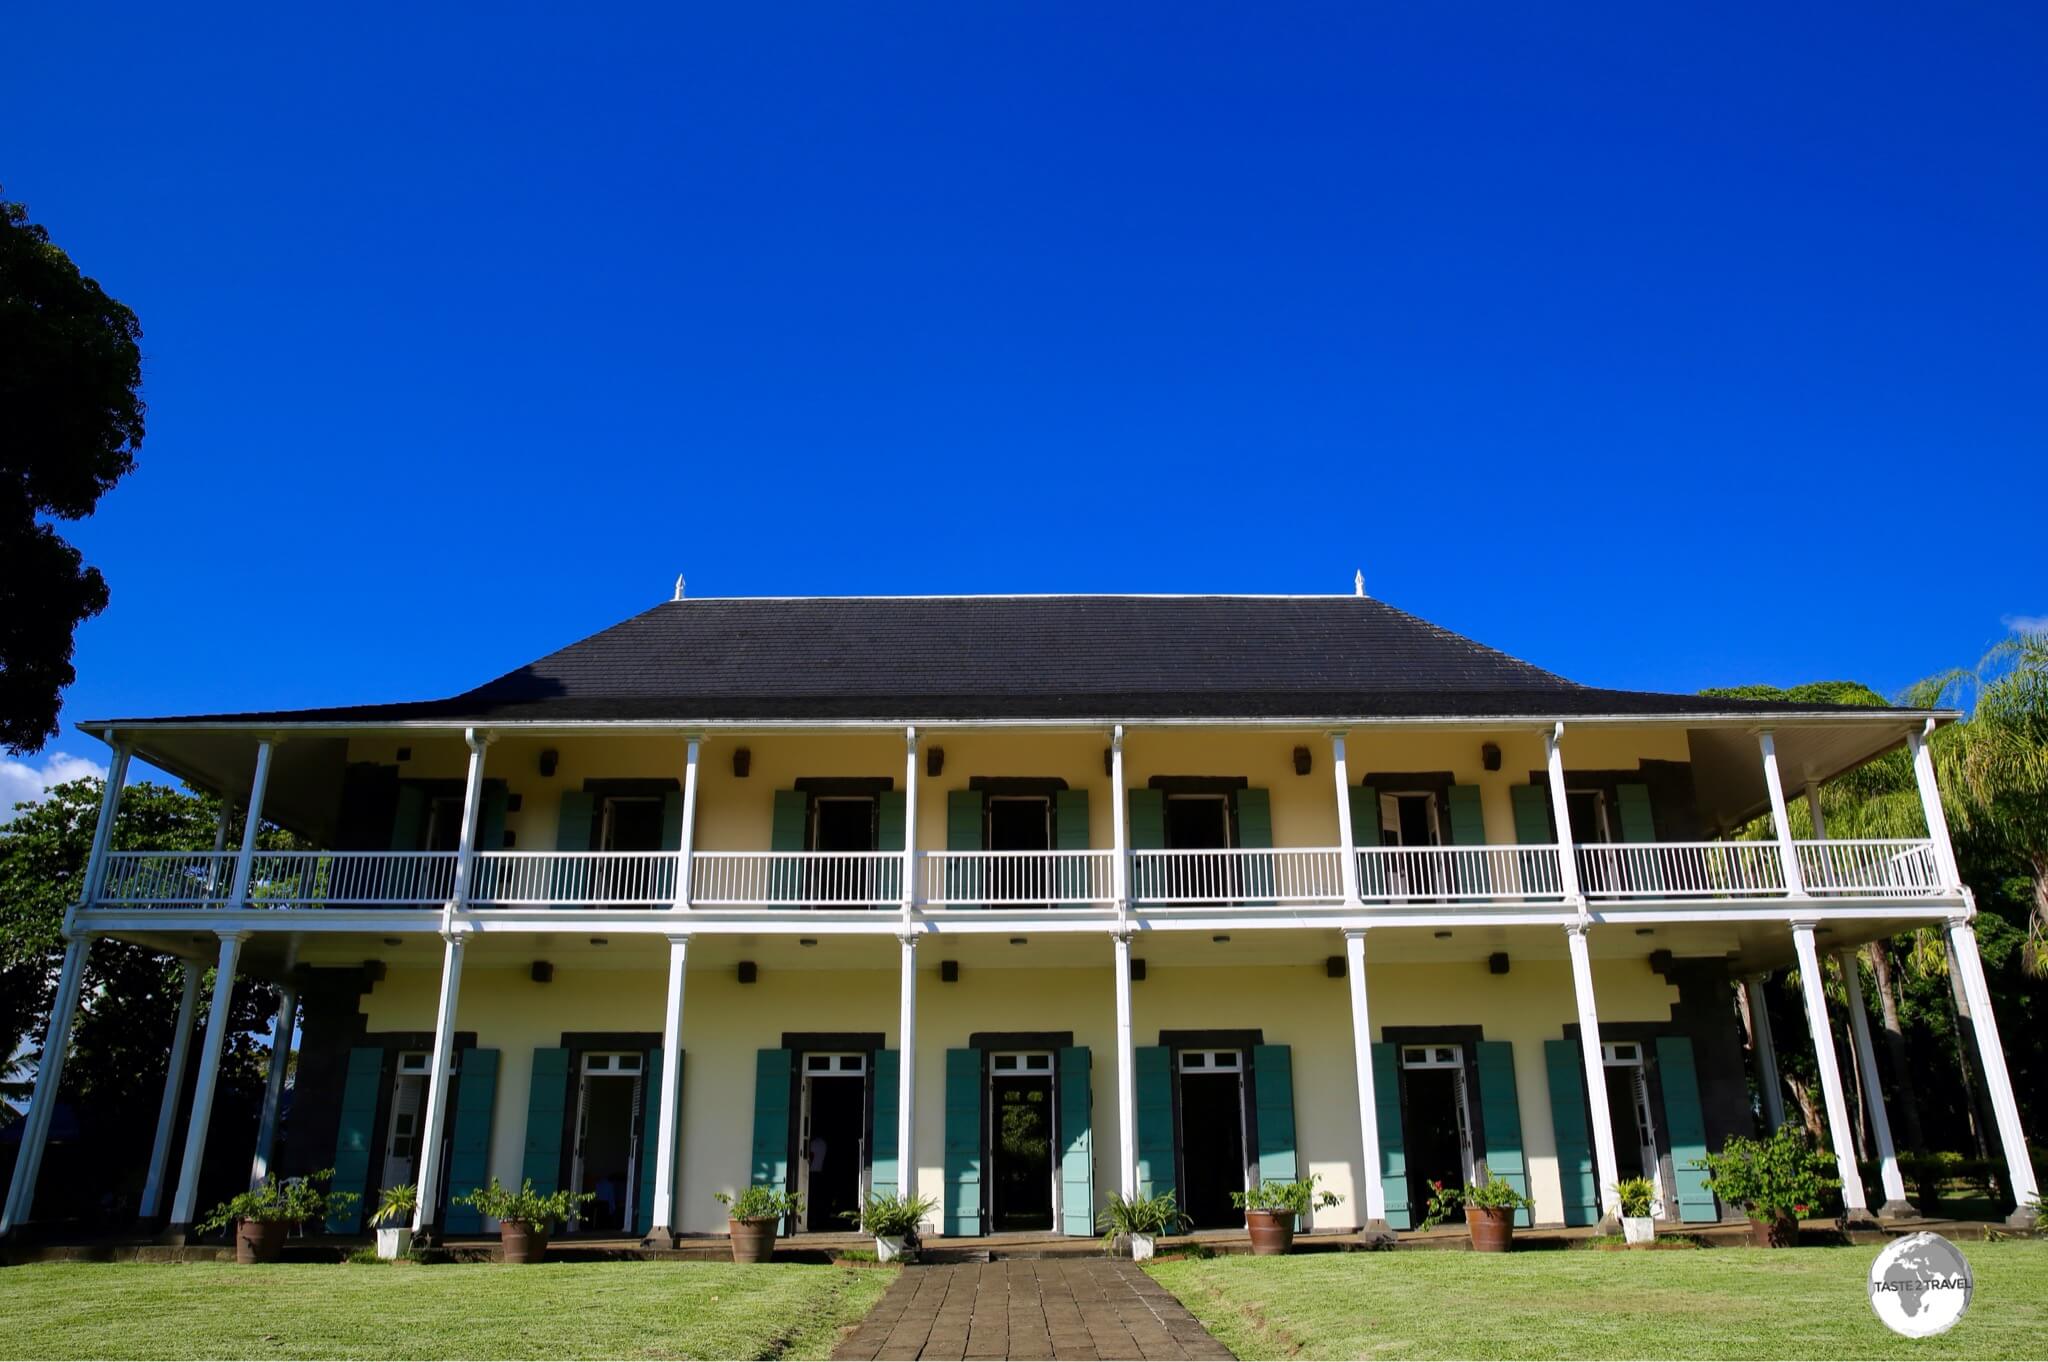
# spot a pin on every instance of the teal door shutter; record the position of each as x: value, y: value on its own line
x: 882, y: 1161
x: 1532, y: 814
x: 547, y: 1107
x: 962, y: 1205
x: 1568, y: 1120
x: 469, y: 1157
x: 1685, y: 1127
x: 1637, y: 823
x: 1070, y: 833
x: 772, y: 1071
x: 1386, y: 1100
x: 963, y: 833
x: 1255, y: 833
x: 889, y: 837
x: 407, y: 818
x: 650, y: 1138
x: 1147, y: 829
x: 356, y: 1136
x: 1468, y: 829
x: 1500, y: 1111
x: 672, y: 820
x: 786, y: 833
x: 1077, y: 1142
x: 1365, y: 832
x: 490, y: 816
x: 572, y: 833
x: 1152, y: 1075
x: 1273, y: 1077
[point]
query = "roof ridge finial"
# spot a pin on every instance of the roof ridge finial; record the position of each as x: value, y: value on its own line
x: 679, y: 586
x: 1358, y: 582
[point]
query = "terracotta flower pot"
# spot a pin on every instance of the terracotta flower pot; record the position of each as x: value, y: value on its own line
x: 1492, y: 1228
x: 259, y: 1241
x: 521, y: 1241
x: 1778, y: 1232
x: 1272, y: 1231
x: 753, y: 1239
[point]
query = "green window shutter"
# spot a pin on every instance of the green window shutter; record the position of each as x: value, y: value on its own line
x: 1146, y: 821
x: 963, y: 833
x: 889, y: 837
x: 786, y: 833
x: 572, y: 833
x: 1532, y: 815
x: 1273, y: 1077
x: 469, y: 1157
x: 1568, y: 1119
x: 1152, y: 1075
x: 1070, y: 833
x: 407, y: 818
x: 1255, y: 833
x: 672, y: 820
x: 1500, y: 1110
x: 1637, y: 823
x: 1686, y: 1127
x: 882, y: 1161
x: 490, y: 817
x: 650, y: 1139
x: 1468, y: 829
x: 772, y: 1070
x: 961, y: 1206
x: 1365, y: 815
x: 1386, y: 1101
x: 547, y: 1106
x: 1077, y: 1142
x: 356, y: 1135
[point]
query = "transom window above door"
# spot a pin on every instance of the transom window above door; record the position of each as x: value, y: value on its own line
x: 1621, y: 1052
x: 625, y: 1063
x: 1432, y: 1057
x: 836, y: 1065
x: 1211, y: 1061
x: 1038, y: 1062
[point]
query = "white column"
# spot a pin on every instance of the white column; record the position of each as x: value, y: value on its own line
x: 1126, y: 1075
x: 663, y: 1234
x: 103, y: 832
x: 1767, y: 1079
x: 185, y: 1203
x: 1795, y: 883
x: 1895, y: 1203
x: 174, y: 1084
x: 472, y: 810
x: 1854, y: 1206
x: 686, y: 852
x: 21, y: 1190
x: 909, y: 824
x: 1368, y: 1104
x: 1561, y: 814
x: 1594, y: 1060
x: 1930, y: 806
x: 441, y: 1064
x: 273, y: 1087
x: 1962, y: 946
x: 1119, y: 824
x: 1347, y: 864
x: 906, y: 1071
x: 238, y: 896
x: 1813, y: 813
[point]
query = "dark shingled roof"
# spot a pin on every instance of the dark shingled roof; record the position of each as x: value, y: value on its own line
x: 1024, y: 657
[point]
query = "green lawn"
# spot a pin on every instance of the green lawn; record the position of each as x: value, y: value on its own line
x: 1725, y: 1302
x: 555, y: 1310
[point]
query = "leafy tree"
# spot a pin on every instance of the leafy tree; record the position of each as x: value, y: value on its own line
x: 70, y: 423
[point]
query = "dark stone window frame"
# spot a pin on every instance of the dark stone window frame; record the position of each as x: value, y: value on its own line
x: 1674, y: 805
x: 988, y: 1042
x: 1240, y: 1039
x: 1226, y: 786
x: 1645, y: 1035
x: 579, y: 1044
x: 601, y: 788
x: 393, y: 1044
x: 1466, y: 1036
x: 841, y: 787
x: 1436, y: 784
x: 801, y: 1043
x: 1047, y: 788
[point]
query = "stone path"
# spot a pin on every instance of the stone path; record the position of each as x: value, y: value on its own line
x: 1029, y: 1308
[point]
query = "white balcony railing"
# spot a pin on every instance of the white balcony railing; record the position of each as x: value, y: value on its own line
x: 1661, y: 870
x: 295, y: 879
x: 1286, y: 875
x: 978, y: 879
x: 796, y: 879
x: 582, y: 879
x: 169, y: 879
x: 1397, y: 874
x: 1869, y: 866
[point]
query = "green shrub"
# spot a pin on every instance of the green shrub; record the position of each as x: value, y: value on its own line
x: 1152, y: 1215
x: 1775, y: 1179
x: 892, y: 1217
x: 1489, y: 1191
x: 294, y: 1202
x: 1296, y: 1197
x: 545, y: 1213
x: 761, y: 1203
x: 396, y: 1206
x: 1637, y: 1195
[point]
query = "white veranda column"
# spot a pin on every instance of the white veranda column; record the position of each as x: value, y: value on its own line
x: 686, y: 852
x: 273, y: 1088
x: 1930, y: 806
x: 663, y: 1233
x: 1119, y: 826
x: 2020, y: 1182
x: 252, y: 826
x: 441, y: 1065
x: 1594, y: 1060
x: 1347, y: 854
x: 1126, y: 1075
x: 1561, y: 814
x: 1895, y: 1203
x: 1767, y: 1080
x: 1368, y: 1104
x: 1788, y: 855
x: 21, y: 1190
x: 906, y: 1070
x: 909, y: 824
x: 185, y: 1203
x: 174, y: 1084
x: 1812, y: 986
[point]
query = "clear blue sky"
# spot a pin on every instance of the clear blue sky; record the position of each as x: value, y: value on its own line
x: 1663, y: 349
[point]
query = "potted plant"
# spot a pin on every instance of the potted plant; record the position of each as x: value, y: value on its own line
x: 894, y: 1222
x: 526, y: 1218
x: 265, y: 1214
x: 1775, y: 1182
x: 1139, y: 1221
x: 1637, y: 1197
x: 1489, y: 1204
x: 754, y: 1215
x: 393, y: 1219
x: 1272, y: 1209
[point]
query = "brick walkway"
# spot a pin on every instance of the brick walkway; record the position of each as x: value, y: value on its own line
x: 1029, y: 1308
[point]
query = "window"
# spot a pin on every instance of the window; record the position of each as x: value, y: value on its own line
x: 1198, y: 822
x: 1620, y: 1052
x: 1039, y: 1062
x: 629, y: 823
x: 611, y: 1064
x: 839, y: 1066
x: 1019, y: 823
x: 1408, y: 820
x: 442, y: 825
x: 843, y: 823
x: 1211, y: 1061
x: 1432, y: 1057
x: 1589, y: 816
